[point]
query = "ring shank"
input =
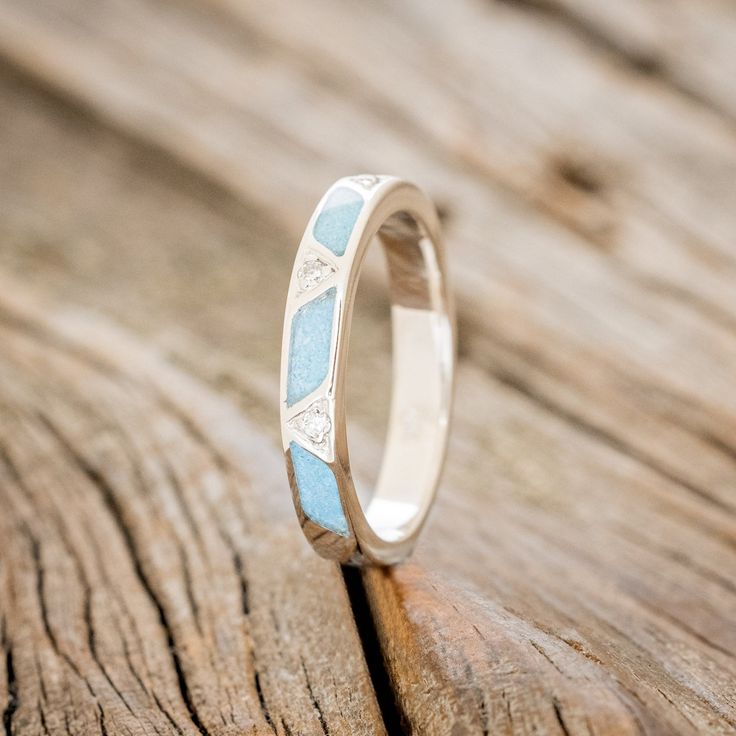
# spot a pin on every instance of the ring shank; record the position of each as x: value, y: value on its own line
x: 406, y: 224
x: 422, y: 344
x: 316, y: 340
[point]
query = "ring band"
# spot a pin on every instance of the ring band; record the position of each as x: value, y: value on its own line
x: 314, y: 363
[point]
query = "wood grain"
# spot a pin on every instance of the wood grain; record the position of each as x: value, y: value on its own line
x: 686, y: 45
x: 500, y: 674
x: 143, y: 590
x: 583, y: 549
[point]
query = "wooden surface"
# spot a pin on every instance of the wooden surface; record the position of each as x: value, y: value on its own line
x: 157, y: 163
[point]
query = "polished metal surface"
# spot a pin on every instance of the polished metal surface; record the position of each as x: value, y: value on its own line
x: 407, y: 226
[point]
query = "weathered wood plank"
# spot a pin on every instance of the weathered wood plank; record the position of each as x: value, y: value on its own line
x: 143, y: 589
x: 667, y: 263
x: 545, y: 471
x: 591, y: 376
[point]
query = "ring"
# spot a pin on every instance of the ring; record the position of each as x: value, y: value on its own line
x: 314, y: 363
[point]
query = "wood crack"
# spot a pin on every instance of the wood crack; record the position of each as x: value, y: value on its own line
x: 558, y: 716
x: 244, y: 595
x: 12, y: 686
x: 43, y: 608
x: 35, y: 548
x: 109, y: 497
x: 189, y: 587
x: 393, y: 719
x: 42, y: 718
x: 92, y: 645
x: 262, y: 699
x: 176, y: 486
x: 546, y: 656
x: 315, y: 703
x: 168, y: 715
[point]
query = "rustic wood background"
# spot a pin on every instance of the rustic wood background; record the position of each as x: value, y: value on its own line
x: 158, y: 160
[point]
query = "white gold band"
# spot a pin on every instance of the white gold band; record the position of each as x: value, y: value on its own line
x: 314, y: 361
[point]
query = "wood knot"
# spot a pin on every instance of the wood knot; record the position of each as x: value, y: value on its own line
x: 444, y: 211
x: 578, y: 190
x: 646, y: 63
x: 579, y: 174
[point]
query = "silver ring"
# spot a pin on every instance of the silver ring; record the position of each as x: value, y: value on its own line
x: 314, y: 362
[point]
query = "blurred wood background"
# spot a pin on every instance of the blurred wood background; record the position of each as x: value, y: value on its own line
x: 158, y: 161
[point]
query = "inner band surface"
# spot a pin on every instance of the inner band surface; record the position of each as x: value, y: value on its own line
x: 422, y: 343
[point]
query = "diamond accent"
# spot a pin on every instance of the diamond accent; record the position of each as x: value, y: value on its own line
x: 314, y: 423
x: 367, y: 181
x: 313, y: 272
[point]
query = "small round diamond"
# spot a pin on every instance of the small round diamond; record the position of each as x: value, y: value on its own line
x: 316, y: 424
x: 312, y: 272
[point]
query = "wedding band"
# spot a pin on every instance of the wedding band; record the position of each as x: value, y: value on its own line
x: 314, y: 364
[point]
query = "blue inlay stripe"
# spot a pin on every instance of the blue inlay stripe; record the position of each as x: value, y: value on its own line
x: 318, y: 492
x: 309, y: 346
x: 337, y: 218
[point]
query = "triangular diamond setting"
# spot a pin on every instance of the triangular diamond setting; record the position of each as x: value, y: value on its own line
x: 314, y: 423
x: 367, y: 181
x: 313, y: 272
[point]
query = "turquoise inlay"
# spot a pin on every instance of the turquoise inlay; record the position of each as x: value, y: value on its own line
x: 309, y: 346
x: 318, y: 492
x: 336, y: 220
